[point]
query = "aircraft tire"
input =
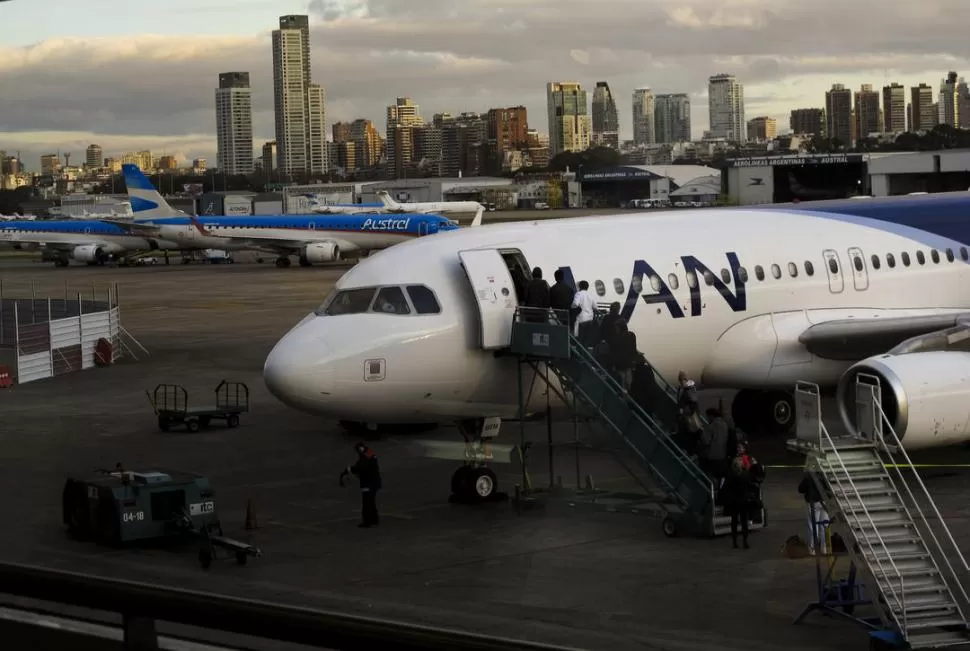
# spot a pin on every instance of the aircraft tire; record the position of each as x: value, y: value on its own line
x: 778, y: 409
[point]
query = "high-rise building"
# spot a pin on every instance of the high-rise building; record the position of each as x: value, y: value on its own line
x: 644, y: 117
x: 341, y: 132
x: 867, y: 112
x: 570, y: 125
x: 725, y: 98
x: 894, y: 108
x: 606, y: 124
x: 464, y: 145
x: 49, y: 164
x: 300, y: 106
x: 921, y: 103
x: 269, y: 156
x: 368, y: 142
x: 507, y: 132
x: 838, y: 112
x: 234, y: 124
x: 949, y: 109
x: 403, y: 117
x: 762, y: 129
x: 807, y: 122
x: 319, y: 152
x: 671, y: 118
x: 94, y: 157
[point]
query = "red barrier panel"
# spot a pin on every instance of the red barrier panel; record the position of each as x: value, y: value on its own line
x: 103, y: 352
x: 6, y: 379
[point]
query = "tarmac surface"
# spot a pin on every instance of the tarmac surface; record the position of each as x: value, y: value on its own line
x: 559, y: 574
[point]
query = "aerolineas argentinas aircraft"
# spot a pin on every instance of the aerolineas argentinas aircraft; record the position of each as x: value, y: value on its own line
x: 752, y: 299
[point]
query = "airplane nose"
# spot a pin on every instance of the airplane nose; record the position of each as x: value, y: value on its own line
x: 299, y: 369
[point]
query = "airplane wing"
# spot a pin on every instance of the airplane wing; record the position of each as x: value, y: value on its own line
x: 135, y: 229
x: 276, y: 245
x: 855, y: 339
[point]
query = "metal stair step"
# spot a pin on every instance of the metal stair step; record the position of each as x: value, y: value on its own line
x: 888, y: 533
x: 865, y: 489
x: 937, y: 622
x: 871, y: 502
x: 940, y: 612
x: 925, y: 602
x: 849, y: 454
x: 835, y: 477
x: 937, y: 640
x: 913, y: 584
x: 883, y: 518
x: 895, y: 556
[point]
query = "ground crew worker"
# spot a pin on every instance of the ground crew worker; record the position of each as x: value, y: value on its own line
x: 368, y: 473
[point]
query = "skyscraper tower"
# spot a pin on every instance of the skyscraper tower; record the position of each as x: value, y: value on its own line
x: 299, y: 104
x: 234, y: 124
x: 726, y: 103
x: 569, y: 121
x: 644, y: 126
x: 606, y: 124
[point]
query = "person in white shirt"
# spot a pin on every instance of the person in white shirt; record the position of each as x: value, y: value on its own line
x: 584, y: 303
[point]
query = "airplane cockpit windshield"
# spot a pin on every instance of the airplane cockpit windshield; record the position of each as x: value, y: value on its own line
x: 392, y: 299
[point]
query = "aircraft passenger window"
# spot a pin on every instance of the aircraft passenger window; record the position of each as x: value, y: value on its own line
x: 875, y: 261
x: 618, y: 286
x: 891, y: 260
x: 857, y: 263
x: 390, y: 300
x: 905, y: 258
x: 692, y: 279
x: 935, y: 256
x: 726, y: 276
x: 655, y: 283
x: 423, y: 300
x: 833, y: 266
x: 964, y: 254
x: 759, y: 272
x: 636, y: 285
x: 809, y: 268
x: 351, y: 301
x: 742, y: 274
x: 708, y: 278
x: 920, y: 258
x: 949, y: 255
x: 775, y: 271
x: 793, y: 270
x: 600, y: 288
x: 673, y: 281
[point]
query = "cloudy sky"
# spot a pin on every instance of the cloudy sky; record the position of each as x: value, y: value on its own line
x: 135, y: 75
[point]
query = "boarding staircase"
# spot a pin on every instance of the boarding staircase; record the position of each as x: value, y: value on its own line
x: 689, y: 492
x: 893, y: 529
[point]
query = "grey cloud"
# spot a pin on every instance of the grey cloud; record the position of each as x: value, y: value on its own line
x: 483, y: 53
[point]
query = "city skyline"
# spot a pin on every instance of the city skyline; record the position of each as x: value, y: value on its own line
x: 150, y: 88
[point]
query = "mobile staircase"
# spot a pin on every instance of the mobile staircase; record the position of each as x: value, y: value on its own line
x: 896, y: 538
x: 690, y: 498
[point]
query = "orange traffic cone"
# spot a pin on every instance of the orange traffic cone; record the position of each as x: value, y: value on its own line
x: 251, y: 521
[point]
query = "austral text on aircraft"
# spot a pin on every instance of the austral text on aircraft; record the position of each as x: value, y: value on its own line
x: 649, y: 285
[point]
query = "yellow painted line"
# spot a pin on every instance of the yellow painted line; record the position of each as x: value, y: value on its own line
x: 892, y: 465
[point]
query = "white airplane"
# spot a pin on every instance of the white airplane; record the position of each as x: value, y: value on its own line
x: 320, y: 208
x: 434, y: 207
x: 749, y: 299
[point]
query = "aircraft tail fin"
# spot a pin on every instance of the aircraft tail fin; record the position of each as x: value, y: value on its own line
x: 478, y: 216
x: 146, y: 201
x: 389, y: 203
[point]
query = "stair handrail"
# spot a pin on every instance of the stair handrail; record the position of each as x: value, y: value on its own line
x: 900, y: 599
x: 881, y: 435
x: 682, y: 457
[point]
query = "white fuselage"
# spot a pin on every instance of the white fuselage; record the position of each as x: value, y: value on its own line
x: 111, y: 243
x: 434, y: 367
x: 235, y: 237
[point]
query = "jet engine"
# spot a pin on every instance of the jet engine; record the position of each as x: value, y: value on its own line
x: 321, y: 252
x: 925, y: 396
x: 89, y: 253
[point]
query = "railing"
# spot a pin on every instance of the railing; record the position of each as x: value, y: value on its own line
x: 319, y: 629
x: 827, y: 444
x: 879, y: 435
x: 683, y: 459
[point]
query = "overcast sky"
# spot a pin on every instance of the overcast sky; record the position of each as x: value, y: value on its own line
x: 136, y: 75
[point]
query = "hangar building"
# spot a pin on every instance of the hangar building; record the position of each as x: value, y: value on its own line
x: 614, y: 186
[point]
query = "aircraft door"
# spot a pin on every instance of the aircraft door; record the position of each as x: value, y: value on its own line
x: 422, y: 228
x: 860, y: 275
x: 312, y: 226
x: 494, y: 294
x: 833, y: 267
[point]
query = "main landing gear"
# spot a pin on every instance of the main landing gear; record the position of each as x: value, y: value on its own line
x: 772, y: 412
x: 283, y: 262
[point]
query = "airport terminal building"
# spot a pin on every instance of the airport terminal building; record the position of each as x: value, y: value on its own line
x: 615, y: 186
x: 808, y: 177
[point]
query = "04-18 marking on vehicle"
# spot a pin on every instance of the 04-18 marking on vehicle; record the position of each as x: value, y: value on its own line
x: 133, y: 516
x: 199, y: 508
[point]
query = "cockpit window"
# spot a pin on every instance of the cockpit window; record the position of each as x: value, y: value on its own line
x: 390, y: 300
x: 351, y: 301
x: 423, y: 300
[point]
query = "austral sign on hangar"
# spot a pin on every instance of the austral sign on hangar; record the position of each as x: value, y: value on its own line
x: 792, y: 161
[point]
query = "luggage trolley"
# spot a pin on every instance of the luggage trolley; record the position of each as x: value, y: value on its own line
x: 171, y: 405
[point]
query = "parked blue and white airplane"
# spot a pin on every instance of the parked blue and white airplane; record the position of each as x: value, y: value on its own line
x: 84, y: 240
x: 748, y: 299
x: 312, y: 238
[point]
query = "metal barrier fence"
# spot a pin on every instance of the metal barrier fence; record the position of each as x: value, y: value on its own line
x: 42, y: 337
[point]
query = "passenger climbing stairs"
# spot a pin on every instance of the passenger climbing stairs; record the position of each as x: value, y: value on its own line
x: 690, y: 502
x: 894, y: 532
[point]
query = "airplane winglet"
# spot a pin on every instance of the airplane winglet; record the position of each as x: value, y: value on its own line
x: 478, y: 217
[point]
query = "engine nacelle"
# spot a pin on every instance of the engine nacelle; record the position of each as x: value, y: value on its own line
x: 89, y: 253
x: 321, y: 252
x: 925, y: 396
